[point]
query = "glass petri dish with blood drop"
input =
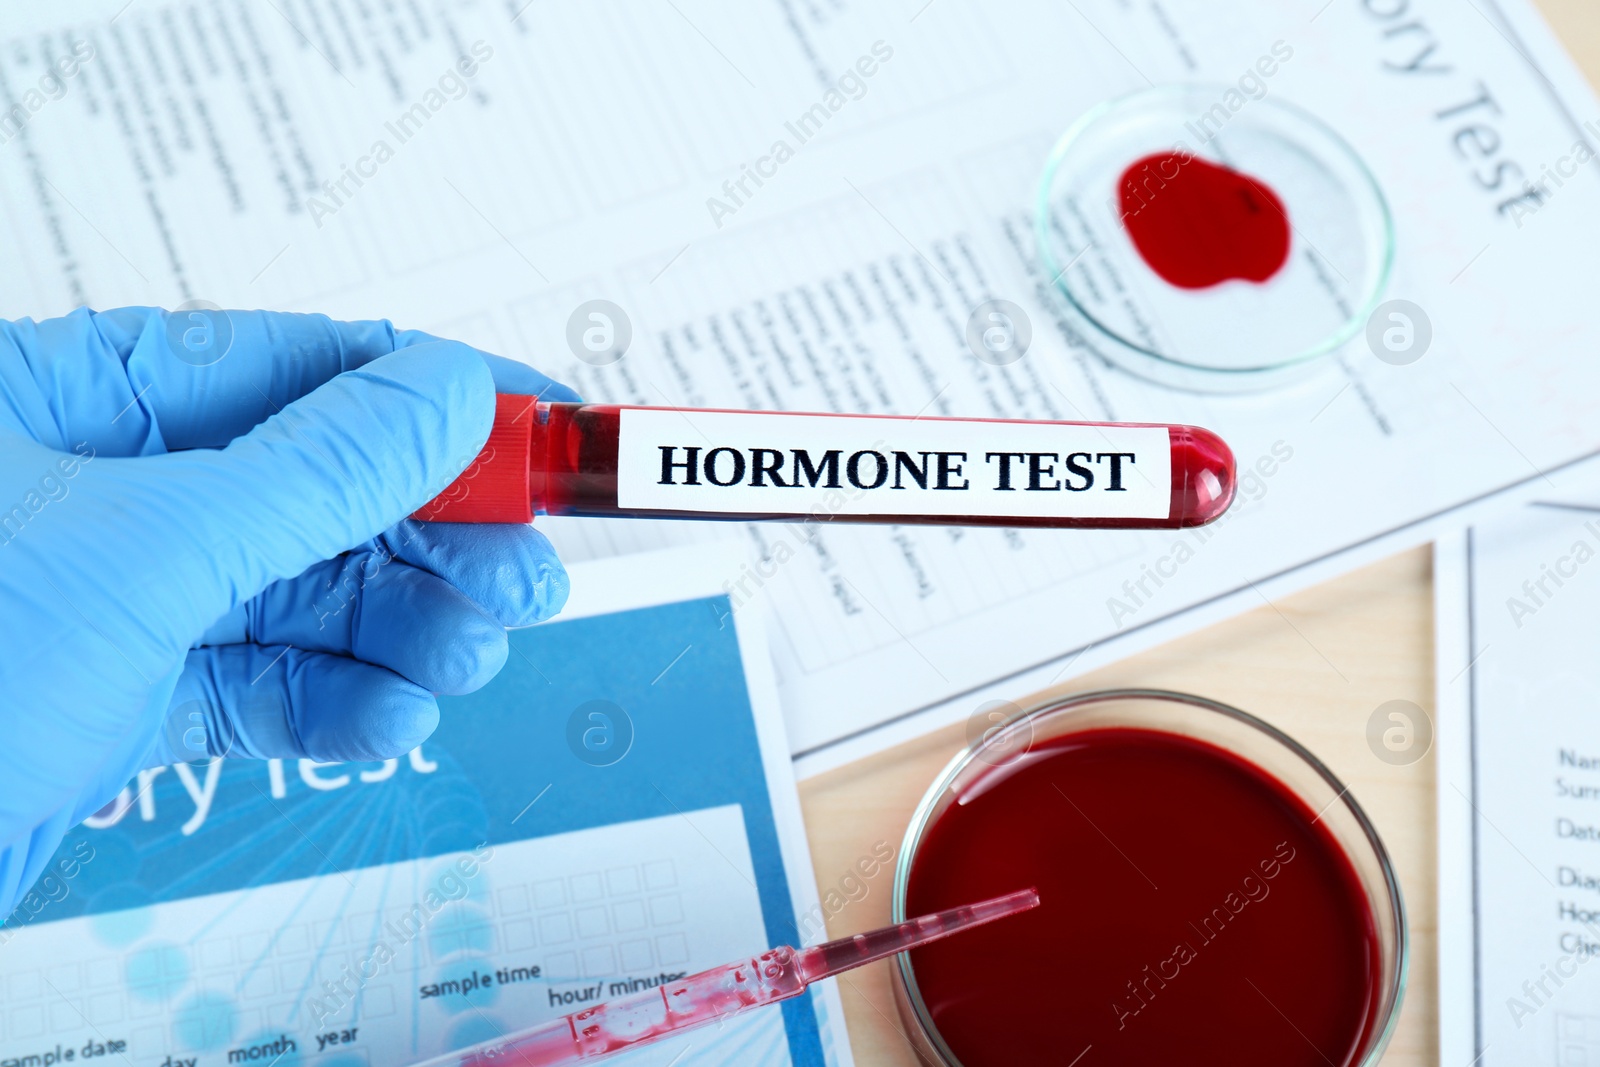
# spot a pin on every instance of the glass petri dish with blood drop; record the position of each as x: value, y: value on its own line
x: 1210, y: 241
x: 1209, y: 894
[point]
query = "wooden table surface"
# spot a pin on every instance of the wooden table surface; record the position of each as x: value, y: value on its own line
x: 1315, y: 665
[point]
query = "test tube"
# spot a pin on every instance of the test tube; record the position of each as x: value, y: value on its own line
x: 698, y: 463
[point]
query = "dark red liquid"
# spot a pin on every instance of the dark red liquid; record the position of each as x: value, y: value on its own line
x: 1191, y: 912
x: 1197, y: 224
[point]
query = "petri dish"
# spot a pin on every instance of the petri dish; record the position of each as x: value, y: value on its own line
x: 1202, y: 878
x: 1157, y: 217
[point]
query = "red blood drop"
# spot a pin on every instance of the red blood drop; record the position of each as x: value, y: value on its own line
x: 1171, y: 928
x: 1197, y: 224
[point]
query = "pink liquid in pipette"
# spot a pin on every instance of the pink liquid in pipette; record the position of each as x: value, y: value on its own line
x: 709, y: 996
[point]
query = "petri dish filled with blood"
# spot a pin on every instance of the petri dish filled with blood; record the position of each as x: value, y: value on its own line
x: 1212, y: 241
x: 1210, y: 894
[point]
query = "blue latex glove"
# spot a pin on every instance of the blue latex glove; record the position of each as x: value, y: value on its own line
x: 206, y: 556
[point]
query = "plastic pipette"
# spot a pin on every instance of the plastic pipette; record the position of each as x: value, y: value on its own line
x: 719, y: 993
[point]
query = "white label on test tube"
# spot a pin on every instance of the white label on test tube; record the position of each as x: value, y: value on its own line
x: 760, y: 463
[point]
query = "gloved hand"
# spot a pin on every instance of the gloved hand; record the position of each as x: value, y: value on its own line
x: 204, y: 550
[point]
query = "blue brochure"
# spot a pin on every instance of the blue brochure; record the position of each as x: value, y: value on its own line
x: 615, y: 810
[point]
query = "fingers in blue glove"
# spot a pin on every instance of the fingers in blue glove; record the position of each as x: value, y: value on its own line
x: 521, y: 379
x: 511, y: 571
x: 261, y: 702
x: 127, y: 382
x: 330, y: 472
x: 369, y: 606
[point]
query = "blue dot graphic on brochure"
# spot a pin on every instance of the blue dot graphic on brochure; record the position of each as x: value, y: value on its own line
x: 126, y: 917
x: 461, y: 927
x: 156, y: 972
x: 463, y: 985
x: 206, y: 1021
x: 450, y: 882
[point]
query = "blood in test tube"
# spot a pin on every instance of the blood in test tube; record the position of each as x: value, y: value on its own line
x: 611, y: 460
